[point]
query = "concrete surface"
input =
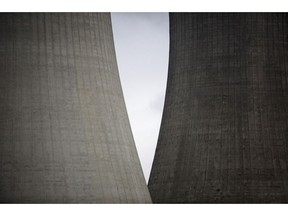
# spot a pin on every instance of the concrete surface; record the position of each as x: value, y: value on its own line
x: 224, y: 131
x: 64, y: 131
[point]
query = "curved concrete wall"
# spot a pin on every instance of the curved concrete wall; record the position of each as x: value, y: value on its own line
x: 65, y: 135
x: 223, y: 137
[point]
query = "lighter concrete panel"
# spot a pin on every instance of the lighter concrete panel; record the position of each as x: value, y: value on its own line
x: 64, y: 131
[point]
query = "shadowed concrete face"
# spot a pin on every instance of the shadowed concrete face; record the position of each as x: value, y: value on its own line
x: 65, y: 135
x: 223, y: 137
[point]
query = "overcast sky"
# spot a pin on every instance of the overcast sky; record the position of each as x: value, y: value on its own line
x: 142, y: 47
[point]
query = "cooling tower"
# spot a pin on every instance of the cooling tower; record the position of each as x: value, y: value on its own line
x: 224, y: 130
x: 64, y: 131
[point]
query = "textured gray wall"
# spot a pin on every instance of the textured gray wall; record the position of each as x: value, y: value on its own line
x: 64, y: 130
x: 224, y: 131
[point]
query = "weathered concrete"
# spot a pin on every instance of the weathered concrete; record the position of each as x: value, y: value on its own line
x: 64, y: 130
x: 224, y: 132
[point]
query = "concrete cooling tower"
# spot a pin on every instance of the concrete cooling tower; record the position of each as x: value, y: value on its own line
x: 64, y: 131
x: 224, y: 131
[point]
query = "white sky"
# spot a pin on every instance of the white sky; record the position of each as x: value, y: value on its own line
x: 142, y: 47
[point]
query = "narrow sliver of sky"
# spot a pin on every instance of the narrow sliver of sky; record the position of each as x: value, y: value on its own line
x: 142, y: 49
